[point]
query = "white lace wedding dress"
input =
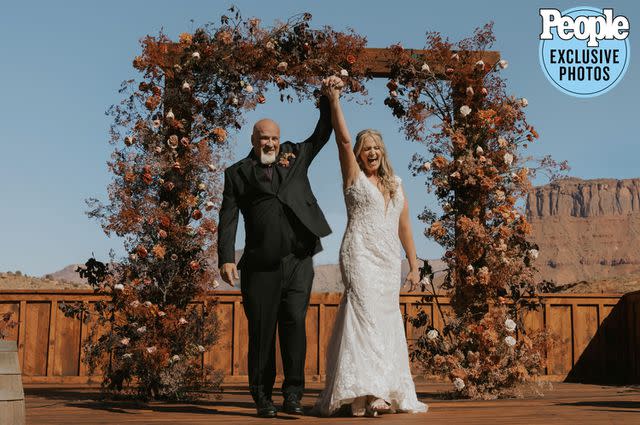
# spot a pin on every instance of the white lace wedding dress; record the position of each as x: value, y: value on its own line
x: 367, y: 352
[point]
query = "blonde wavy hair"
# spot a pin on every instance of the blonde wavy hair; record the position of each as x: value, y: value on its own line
x: 385, y: 171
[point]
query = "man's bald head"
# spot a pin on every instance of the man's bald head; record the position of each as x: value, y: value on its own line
x: 266, y: 140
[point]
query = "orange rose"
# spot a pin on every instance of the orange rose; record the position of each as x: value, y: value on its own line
x: 141, y: 251
x: 159, y: 251
x: 219, y: 134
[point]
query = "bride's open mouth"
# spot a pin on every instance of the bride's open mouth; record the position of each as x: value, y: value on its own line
x: 373, y: 161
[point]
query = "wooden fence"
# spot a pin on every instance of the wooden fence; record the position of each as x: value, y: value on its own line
x: 49, y: 344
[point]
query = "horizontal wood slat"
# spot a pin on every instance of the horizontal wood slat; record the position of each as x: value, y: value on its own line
x: 598, y: 334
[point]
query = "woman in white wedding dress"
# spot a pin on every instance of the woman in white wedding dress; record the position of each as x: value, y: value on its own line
x: 367, y: 357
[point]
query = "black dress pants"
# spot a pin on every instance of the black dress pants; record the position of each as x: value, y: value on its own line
x: 277, y: 297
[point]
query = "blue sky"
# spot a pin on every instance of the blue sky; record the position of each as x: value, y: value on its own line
x: 62, y: 63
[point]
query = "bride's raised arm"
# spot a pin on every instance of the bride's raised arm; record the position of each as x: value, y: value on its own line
x: 332, y: 87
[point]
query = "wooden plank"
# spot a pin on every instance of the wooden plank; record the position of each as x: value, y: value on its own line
x: 53, y: 327
x: 313, y: 343
x: 377, y: 60
x: 220, y: 356
x: 67, y: 344
x: 584, y: 327
x: 14, y: 308
x: 22, y: 330
x: 322, y: 338
x: 240, y: 340
x: 37, y: 338
x: 560, y: 356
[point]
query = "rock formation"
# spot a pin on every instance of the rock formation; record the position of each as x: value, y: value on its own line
x: 587, y: 230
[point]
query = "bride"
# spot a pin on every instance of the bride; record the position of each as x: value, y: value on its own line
x: 367, y: 356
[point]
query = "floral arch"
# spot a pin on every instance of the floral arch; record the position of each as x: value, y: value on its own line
x: 169, y: 136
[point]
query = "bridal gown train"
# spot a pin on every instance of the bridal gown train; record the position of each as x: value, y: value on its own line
x: 367, y: 353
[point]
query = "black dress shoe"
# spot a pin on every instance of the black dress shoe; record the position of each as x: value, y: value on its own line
x: 292, y: 406
x: 266, y: 409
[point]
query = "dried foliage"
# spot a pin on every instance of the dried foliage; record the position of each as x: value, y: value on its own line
x: 455, y: 104
x: 6, y: 323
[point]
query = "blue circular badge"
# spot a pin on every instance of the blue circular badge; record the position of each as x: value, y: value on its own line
x: 584, y: 51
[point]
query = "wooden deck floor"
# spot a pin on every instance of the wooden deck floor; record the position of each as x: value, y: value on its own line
x: 565, y: 403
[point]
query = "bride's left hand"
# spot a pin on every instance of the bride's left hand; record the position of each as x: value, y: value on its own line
x: 412, y: 281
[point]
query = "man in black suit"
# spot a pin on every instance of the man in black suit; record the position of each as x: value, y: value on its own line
x: 283, y: 227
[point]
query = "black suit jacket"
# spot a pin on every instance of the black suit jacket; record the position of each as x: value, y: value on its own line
x: 244, y: 192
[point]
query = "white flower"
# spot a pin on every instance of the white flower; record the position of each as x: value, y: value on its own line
x: 125, y: 341
x: 212, y: 167
x: 248, y: 88
x: 533, y: 253
x: 465, y: 110
x: 118, y: 286
x: 133, y: 257
x: 234, y: 100
x: 455, y: 175
x: 209, y: 206
x: 186, y: 86
x: 479, y: 150
x: 282, y: 66
x: 458, y: 384
x: 500, y: 196
x: 141, y: 329
x: 344, y: 72
x: 510, y: 341
x: 159, y: 150
x: 215, y: 283
x: 134, y: 303
x: 183, y: 321
x: 502, y: 142
x: 148, y: 303
x: 510, y: 325
x: 480, y: 64
x: 195, y: 55
x: 162, y: 314
x: 201, y: 348
x: 269, y: 45
x: 503, y: 64
x: 170, y: 115
x: 446, y: 207
x: 432, y: 334
x: 425, y: 281
x: 484, y: 270
x: 455, y: 56
x: 470, y: 91
x: 151, y: 349
x: 425, y: 67
x: 524, y: 102
x: 127, y: 355
x: 426, y: 166
x: 508, y: 158
x: 470, y: 268
x: 175, y: 358
x: 202, y: 186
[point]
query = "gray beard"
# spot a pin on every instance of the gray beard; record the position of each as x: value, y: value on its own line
x: 267, y: 159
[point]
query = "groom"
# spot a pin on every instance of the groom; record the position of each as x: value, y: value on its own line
x: 283, y: 227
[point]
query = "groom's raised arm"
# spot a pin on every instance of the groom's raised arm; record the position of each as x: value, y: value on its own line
x: 322, y: 132
x: 228, y: 223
